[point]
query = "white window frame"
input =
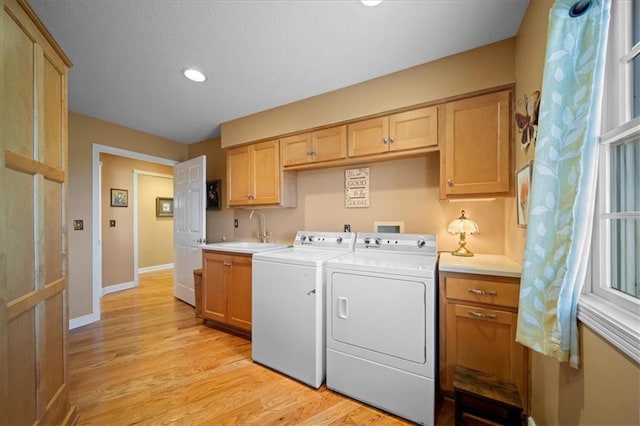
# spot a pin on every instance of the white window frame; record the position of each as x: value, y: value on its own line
x: 611, y: 313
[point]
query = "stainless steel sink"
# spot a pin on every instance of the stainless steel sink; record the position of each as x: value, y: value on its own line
x: 248, y: 247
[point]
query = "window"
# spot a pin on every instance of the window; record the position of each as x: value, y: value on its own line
x: 611, y: 301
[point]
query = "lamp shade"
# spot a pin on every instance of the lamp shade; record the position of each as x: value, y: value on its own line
x: 462, y: 226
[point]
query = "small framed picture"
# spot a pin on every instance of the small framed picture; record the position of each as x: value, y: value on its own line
x: 164, y: 207
x: 213, y: 194
x: 119, y: 197
x: 523, y: 192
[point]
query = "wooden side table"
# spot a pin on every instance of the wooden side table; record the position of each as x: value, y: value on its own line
x: 485, y: 396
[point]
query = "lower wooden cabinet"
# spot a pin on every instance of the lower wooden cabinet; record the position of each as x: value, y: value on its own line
x: 478, y: 317
x: 226, y: 290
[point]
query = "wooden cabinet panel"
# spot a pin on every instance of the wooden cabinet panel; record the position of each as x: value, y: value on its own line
x: 477, y: 144
x: 479, y: 331
x: 367, y: 137
x: 398, y: 132
x: 239, y: 293
x: 296, y: 149
x: 254, y: 177
x: 33, y: 247
x: 413, y: 129
x: 226, y: 289
x: 214, y: 289
x: 483, y: 291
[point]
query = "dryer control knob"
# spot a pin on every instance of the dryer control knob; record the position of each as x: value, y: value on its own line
x: 421, y: 243
x: 339, y: 240
x: 311, y: 237
x: 378, y: 241
x: 303, y: 238
x: 367, y: 240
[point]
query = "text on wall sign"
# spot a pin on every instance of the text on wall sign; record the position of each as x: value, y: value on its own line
x: 356, y: 188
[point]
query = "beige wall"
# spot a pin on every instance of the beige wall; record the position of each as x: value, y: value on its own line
x: 400, y: 190
x: 606, y: 387
x: 477, y: 69
x: 84, y: 131
x: 155, y: 234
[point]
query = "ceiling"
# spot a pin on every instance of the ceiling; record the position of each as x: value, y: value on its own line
x: 257, y: 54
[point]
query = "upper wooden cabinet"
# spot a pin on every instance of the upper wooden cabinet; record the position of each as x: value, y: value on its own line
x: 255, y: 178
x: 476, y: 158
x: 408, y: 130
x: 314, y: 147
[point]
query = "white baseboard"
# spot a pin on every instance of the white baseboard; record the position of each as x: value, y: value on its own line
x: 155, y: 268
x: 119, y: 287
x: 83, y: 320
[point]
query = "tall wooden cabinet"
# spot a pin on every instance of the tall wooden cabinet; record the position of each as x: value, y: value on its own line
x: 476, y: 157
x: 33, y: 239
x: 226, y: 289
x: 478, y: 318
x: 255, y: 178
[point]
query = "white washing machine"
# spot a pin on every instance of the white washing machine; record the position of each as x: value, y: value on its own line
x: 288, y: 304
x: 381, y: 323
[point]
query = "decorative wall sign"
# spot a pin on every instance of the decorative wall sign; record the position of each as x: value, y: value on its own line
x: 528, y: 122
x: 119, y: 197
x: 356, y: 188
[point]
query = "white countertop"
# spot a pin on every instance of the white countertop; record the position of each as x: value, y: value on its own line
x: 483, y: 264
x: 243, y: 247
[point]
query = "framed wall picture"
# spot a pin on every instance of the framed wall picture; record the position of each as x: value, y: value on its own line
x: 523, y: 190
x: 119, y: 197
x: 214, y: 195
x: 164, y: 207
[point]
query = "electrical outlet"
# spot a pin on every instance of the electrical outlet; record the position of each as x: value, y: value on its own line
x: 112, y: 223
x: 347, y: 227
x: 78, y: 224
x: 235, y: 223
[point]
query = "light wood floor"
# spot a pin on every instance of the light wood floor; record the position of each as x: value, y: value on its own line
x: 151, y: 361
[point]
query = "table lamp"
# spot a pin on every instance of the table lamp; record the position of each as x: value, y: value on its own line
x: 463, y: 226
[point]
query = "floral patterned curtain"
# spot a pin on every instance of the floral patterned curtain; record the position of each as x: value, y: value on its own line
x: 564, y: 179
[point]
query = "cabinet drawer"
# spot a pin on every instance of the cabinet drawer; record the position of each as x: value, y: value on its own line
x: 483, y: 291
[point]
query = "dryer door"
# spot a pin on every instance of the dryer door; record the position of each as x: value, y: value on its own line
x: 379, y: 313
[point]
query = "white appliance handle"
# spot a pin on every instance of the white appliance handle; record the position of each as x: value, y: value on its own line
x: 343, y: 307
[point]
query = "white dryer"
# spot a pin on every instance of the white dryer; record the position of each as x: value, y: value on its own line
x: 381, y: 323
x: 288, y: 304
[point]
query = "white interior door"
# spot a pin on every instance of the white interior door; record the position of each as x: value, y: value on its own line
x: 189, y: 224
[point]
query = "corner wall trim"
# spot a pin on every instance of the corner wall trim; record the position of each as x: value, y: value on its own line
x: 119, y: 287
x: 82, y: 321
x: 155, y: 268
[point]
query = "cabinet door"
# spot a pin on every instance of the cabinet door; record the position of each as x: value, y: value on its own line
x: 413, y: 129
x: 239, y: 293
x: 477, y: 145
x: 239, y: 176
x: 266, y: 172
x: 329, y: 144
x: 368, y: 137
x: 214, y: 289
x: 485, y: 340
x: 296, y: 149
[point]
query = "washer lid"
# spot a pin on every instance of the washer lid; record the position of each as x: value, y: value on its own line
x: 299, y: 256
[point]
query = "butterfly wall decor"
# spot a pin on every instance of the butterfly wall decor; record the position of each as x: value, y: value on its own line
x: 528, y: 122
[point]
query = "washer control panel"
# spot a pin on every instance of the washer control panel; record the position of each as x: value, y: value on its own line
x: 408, y: 243
x: 328, y: 240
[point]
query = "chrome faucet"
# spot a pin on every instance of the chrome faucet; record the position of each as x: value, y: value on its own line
x: 263, y: 235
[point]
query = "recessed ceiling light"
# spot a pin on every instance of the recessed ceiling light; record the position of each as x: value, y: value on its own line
x: 194, y: 75
x: 371, y: 3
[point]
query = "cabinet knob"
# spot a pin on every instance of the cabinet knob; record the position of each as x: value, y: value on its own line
x: 391, y: 139
x: 450, y: 182
x: 385, y: 140
x: 225, y: 264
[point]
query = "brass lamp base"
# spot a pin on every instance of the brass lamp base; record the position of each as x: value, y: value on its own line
x: 462, y: 249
